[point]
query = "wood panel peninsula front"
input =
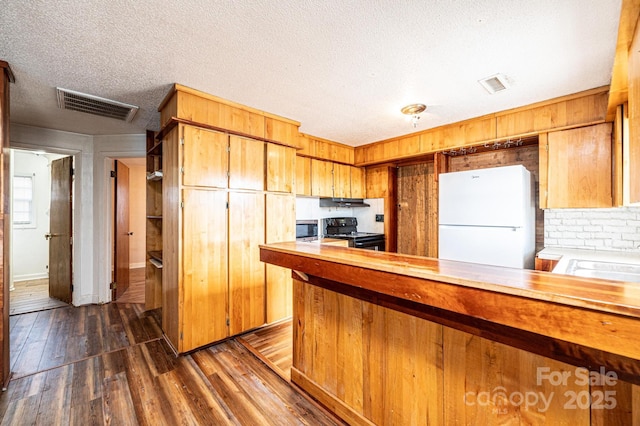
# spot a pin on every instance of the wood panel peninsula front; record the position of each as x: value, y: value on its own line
x: 384, y: 338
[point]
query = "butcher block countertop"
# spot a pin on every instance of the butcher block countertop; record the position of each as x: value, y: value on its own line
x: 564, y: 317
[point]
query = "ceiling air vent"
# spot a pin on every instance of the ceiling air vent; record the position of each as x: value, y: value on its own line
x: 495, y: 83
x: 76, y: 101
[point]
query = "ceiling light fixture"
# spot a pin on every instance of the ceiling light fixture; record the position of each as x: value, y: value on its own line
x: 414, y: 111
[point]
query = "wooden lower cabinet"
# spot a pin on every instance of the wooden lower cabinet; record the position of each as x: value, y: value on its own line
x: 204, y: 269
x: 246, y: 271
x: 280, y: 226
x: 371, y: 364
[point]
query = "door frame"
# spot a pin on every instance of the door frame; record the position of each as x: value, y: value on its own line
x: 74, y: 218
x: 104, y: 216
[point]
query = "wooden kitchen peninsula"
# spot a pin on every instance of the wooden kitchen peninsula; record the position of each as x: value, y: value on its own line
x: 384, y: 338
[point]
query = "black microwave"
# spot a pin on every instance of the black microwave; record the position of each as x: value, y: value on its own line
x: 306, y: 229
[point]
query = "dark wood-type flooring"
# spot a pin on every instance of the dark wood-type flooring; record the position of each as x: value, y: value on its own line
x: 108, y: 364
x: 273, y: 345
x: 135, y: 292
x: 31, y: 296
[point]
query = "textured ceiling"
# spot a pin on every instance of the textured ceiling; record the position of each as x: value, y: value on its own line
x: 342, y: 68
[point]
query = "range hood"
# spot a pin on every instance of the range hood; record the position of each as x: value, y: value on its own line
x: 342, y: 202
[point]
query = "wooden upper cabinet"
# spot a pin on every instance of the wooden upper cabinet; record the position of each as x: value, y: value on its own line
x: 246, y: 163
x: 575, y: 168
x: 358, y: 182
x: 281, y: 168
x: 341, y: 180
x: 205, y: 157
x: 303, y: 175
x: 377, y: 182
x: 285, y: 132
x: 321, y: 178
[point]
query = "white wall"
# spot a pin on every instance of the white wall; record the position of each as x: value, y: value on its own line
x: 308, y: 208
x: 29, y: 248
x: 616, y: 229
x: 91, y: 218
x: 81, y: 147
x: 107, y: 148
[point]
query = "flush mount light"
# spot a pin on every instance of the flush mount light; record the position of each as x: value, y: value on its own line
x: 414, y: 110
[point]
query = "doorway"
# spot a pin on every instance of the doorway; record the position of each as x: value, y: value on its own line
x: 128, y: 194
x: 41, y: 204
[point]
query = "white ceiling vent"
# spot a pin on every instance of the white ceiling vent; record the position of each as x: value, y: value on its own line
x: 495, y: 83
x: 76, y: 101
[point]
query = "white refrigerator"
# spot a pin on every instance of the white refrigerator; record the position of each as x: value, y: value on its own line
x: 487, y: 216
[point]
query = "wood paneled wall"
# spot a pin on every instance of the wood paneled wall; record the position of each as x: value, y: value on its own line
x: 418, y: 196
x: 373, y: 365
x: 524, y: 155
x: 580, y: 109
x: 417, y: 210
x: 6, y: 77
x: 634, y: 119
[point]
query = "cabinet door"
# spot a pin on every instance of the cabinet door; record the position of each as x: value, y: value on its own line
x: 341, y: 180
x: 377, y: 182
x: 321, y: 178
x: 357, y: 182
x: 205, y: 161
x: 281, y: 226
x: 204, y: 271
x: 246, y: 163
x: 578, y: 168
x: 246, y: 272
x: 280, y: 168
x: 303, y: 176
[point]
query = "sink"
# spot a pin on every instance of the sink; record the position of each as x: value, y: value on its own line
x: 606, y: 270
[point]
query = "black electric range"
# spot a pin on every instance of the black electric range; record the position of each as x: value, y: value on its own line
x: 346, y: 228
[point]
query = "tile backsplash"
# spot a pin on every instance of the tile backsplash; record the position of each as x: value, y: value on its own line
x: 597, y: 229
x: 309, y: 208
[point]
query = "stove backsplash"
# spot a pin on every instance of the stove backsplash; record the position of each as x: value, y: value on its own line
x: 308, y: 208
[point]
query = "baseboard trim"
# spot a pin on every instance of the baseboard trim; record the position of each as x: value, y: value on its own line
x: 30, y: 277
x: 338, y: 407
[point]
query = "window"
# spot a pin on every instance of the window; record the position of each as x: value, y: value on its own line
x: 23, y: 209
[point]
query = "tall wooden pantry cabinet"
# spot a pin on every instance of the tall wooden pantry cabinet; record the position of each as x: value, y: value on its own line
x: 228, y: 186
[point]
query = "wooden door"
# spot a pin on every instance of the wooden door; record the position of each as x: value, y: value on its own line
x: 246, y: 163
x: 417, y: 203
x: 60, y: 231
x: 246, y: 272
x: 205, y: 159
x: 280, y: 226
x: 281, y: 168
x: 121, y: 231
x: 204, y: 271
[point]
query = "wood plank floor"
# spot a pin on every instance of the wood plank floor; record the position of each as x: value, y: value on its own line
x: 135, y: 292
x: 108, y: 364
x: 31, y: 296
x: 273, y: 345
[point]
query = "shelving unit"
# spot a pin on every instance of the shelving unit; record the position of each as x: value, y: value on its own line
x: 153, y: 275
